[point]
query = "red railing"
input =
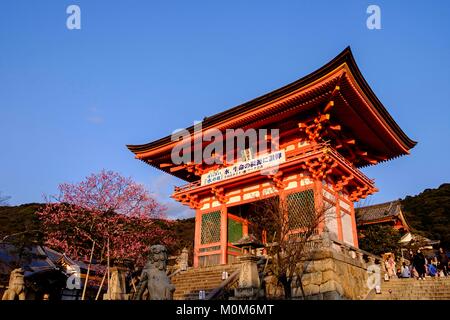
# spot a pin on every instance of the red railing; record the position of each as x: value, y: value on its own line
x: 319, y: 148
x: 302, y: 152
x: 188, y: 186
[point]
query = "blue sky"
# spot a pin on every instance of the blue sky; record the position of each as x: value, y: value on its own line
x: 70, y: 100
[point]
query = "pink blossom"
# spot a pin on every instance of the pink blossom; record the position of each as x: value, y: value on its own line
x: 104, y: 206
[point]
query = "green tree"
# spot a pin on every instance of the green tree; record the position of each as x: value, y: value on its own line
x: 428, y: 213
x: 378, y: 239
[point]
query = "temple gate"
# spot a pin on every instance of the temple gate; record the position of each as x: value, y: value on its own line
x: 330, y: 125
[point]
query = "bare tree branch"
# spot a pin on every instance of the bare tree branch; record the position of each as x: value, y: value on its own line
x: 292, y: 231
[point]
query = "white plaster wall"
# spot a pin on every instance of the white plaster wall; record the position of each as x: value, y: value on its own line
x: 331, y: 221
x: 347, y: 230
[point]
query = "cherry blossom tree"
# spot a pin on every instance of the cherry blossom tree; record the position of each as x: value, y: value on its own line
x: 101, y: 207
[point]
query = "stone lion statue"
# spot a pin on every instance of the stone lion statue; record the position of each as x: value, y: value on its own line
x: 154, y: 277
x: 16, y: 288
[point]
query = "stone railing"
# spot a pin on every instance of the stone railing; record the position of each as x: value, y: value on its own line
x: 350, y: 251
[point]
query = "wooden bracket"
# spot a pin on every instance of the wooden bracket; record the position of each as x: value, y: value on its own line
x: 219, y: 193
x: 277, y: 179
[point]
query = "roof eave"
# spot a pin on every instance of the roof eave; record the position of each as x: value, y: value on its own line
x: 345, y: 56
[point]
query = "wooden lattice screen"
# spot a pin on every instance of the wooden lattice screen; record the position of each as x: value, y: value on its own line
x: 301, y: 209
x: 210, y: 232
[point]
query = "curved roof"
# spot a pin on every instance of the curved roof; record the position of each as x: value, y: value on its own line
x: 378, y: 211
x: 360, y: 110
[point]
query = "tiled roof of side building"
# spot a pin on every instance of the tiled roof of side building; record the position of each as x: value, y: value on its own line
x: 378, y: 211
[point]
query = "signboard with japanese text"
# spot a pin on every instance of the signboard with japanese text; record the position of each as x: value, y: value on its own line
x: 262, y: 162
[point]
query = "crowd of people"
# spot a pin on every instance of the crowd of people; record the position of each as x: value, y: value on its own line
x: 419, y: 266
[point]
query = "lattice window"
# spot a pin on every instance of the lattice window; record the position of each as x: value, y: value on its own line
x: 301, y: 210
x: 210, y: 232
x: 234, y: 230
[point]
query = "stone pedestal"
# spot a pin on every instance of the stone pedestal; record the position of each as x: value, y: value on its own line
x: 183, y: 260
x: 117, y: 288
x: 249, y: 283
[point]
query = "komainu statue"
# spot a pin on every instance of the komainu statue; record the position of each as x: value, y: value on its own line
x: 16, y: 288
x: 154, y: 277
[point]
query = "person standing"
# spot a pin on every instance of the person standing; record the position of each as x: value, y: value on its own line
x: 419, y: 264
x: 443, y: 261
x: 391, y: 266
x: 410, y: 255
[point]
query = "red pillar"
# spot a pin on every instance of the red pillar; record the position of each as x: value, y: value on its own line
x: 223, y: 234
x: 355, y: 232
x: 338, y: 216
x: 318, y: 203
x: 197, y: 237
x: 283, y: 202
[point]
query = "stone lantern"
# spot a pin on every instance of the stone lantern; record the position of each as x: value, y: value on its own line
x: 249, y: 283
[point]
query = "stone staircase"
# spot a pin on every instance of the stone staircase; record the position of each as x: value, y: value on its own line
x: 188, y: 283
x: 412, y: 289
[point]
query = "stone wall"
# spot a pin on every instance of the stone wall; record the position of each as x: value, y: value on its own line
x: 333, y: 271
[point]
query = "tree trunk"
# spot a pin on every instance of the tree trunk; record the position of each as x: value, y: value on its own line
x: 286, y: 286
x: 300, y: 283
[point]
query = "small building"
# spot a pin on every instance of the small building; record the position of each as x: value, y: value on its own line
x: 388, y: 213
x: 47, y: 272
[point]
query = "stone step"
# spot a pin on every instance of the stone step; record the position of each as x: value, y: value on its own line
x: 193, y: 280
x: 387, y: 289
x: 179, y: 289
x: 190, y: 282
x: 416, y: 293
x: 417, y: 281
x: 418, y: 285
x: 193, y: 275
x: 414, y: 297
x: 413, y: 289
x: 198, y: 281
